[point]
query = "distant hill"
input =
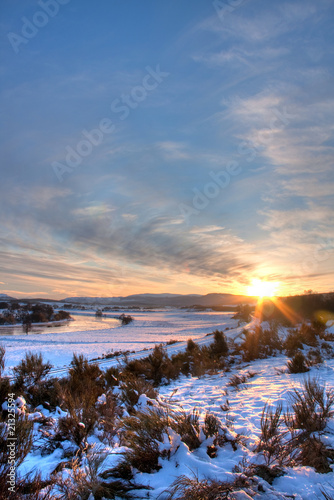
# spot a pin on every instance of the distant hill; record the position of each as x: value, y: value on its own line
x: 164, y: 300
x: 4, y: 296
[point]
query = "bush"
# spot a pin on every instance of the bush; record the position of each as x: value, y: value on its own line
x: 157, y: 367
x: 142, y: 434
x: 84, y: 376
x: 243, y: 313
x: 29, y: 377
x: 132, y: 388
x: 237, y: 380
x: 109, y: 414
x: 293, y: 342
x: 192, y: 347
x: 81, y: 418
x: 185, y: 488
x: 61, y: 315
x: 312, y: 408
x: 78, y: 424
x: 46, y: 393
x: 314, y: 453
x: 211, y: 425
x: 298, y: 364
x: 306, y: 334
x: 260, y: 343
x: 23, y: 445
x: 79, y: 393
x: 187, y: 425
x: 125, y: 319
x: 271, y: 439
x: 219, y: 347
x: 84, y: 481
x: 309, y: 334
x: 112, y: 377
x: 7, y: 319
x: 314, y: 356
x: 41, y: 313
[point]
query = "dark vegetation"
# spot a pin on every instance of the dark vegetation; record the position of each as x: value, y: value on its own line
x: 125, y: 319
x: 243, y: 312
x: 31, y: 313
x: 312, y: 307
x: 305, y: 346
x: 260, y: 343
x: 159, y: 368
x: 305, y: 422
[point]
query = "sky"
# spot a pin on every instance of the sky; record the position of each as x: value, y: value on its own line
x: 166, y: 147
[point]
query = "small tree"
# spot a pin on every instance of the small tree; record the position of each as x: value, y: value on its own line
x: 26, y: 323
x: 298, y: 363
x: 219, y: 346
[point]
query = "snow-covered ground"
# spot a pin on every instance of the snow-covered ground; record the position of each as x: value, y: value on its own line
x: 240, y: 409
x: 208, y: 394
x: 246, y: 404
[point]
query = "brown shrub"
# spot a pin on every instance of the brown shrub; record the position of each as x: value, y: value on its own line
x: 298, y: 363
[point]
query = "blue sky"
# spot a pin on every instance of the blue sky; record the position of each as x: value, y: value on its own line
x: 173, y: 146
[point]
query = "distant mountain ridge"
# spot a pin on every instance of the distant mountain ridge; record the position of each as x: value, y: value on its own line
x: 164, y: 299
x: 4, y: 296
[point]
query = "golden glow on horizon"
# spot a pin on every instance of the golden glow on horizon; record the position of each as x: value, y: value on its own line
x: 262, y: 289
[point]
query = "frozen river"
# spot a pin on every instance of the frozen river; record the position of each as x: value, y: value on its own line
x: 80, y: 323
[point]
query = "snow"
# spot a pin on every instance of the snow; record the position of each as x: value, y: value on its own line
x: 207, y: 394
x: 239, y: 409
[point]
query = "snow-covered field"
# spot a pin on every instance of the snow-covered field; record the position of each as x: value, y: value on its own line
x: 147, y: 329
x: 246, y: 405
x: 239, y: 409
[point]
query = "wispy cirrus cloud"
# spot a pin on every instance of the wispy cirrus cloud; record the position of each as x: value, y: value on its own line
x: 255, y: 89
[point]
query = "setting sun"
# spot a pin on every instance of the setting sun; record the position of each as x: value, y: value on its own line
x: 262, y: 289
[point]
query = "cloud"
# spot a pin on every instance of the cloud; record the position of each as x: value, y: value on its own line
x: 271, y: 21
x: 173, y: 150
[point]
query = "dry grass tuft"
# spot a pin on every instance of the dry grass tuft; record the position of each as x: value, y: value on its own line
x: 84, y: 480
x: 312, y: 407
x: 185, y: 488
x: 271, y: 440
